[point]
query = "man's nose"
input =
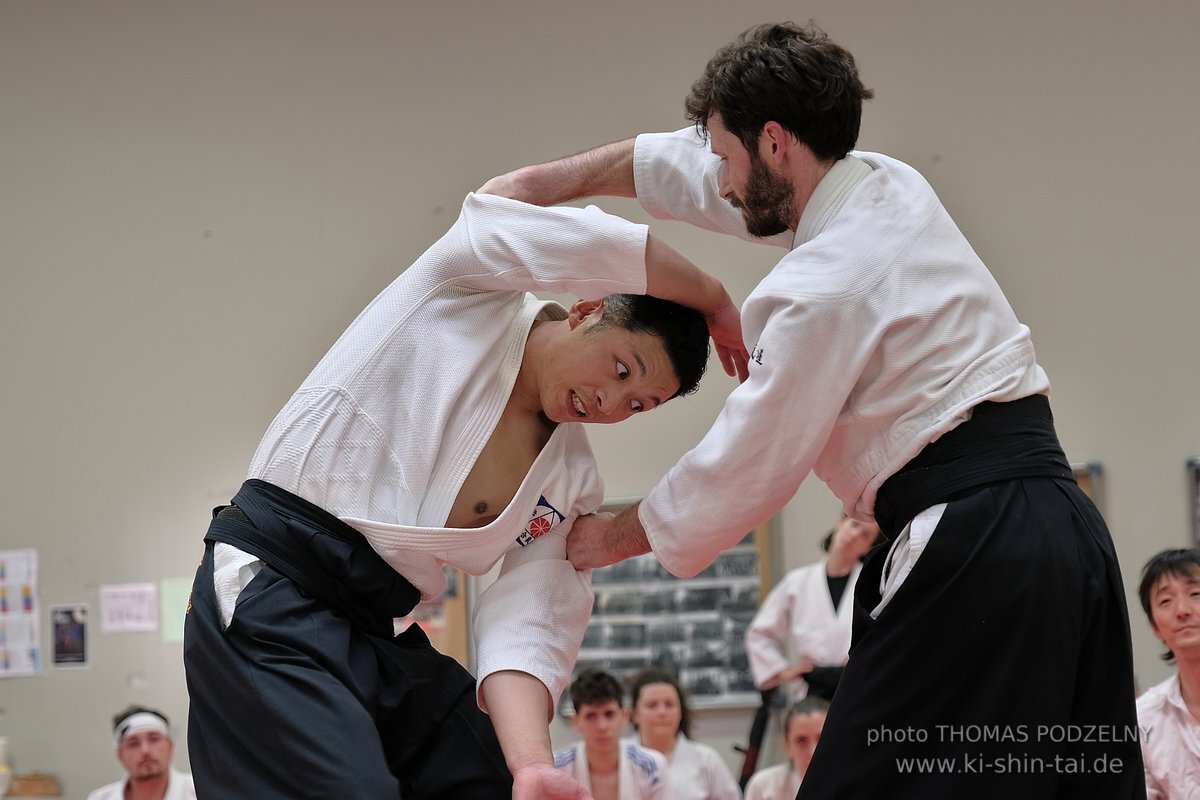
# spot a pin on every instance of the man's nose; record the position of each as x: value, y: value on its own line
x: 723, y: 184
x: 610, y: 400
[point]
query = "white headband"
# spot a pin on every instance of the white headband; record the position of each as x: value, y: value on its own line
x: 141, y: 722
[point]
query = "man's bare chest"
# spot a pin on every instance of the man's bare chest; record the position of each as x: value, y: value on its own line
x: 498, y: 472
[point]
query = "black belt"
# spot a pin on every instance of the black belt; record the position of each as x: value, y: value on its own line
x: 322, y: 555
x: 1001, y: 441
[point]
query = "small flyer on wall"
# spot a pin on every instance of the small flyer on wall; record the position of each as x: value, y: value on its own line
x: 70, y: 635
x: 20, y: 644
x: 128, y: 607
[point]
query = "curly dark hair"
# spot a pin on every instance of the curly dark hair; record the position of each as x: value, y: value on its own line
x: 593, y: 686
x: 786, y: 73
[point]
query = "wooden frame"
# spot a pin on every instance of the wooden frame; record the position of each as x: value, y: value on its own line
x: 1090, y: 477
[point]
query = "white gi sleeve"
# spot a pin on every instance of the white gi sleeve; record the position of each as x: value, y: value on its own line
x: 499, y: 243
x: 677, y: 177
x: 532, y: 619
x: 768, y: 633
x: 773, y: 427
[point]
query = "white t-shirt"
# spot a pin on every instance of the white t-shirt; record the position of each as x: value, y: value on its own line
x: 878, y: 331
x: 1170, y: 738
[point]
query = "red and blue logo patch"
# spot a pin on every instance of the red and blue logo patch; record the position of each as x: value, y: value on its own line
x: 541, y: 521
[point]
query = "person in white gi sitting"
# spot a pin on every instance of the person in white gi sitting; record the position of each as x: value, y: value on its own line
x: 605, y: 766
x: 1169, y: 714
x: 144, y: 748
x: 663, y: 721
x: 801, y: 730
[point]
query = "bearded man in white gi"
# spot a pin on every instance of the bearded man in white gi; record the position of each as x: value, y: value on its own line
x: 885, y: 359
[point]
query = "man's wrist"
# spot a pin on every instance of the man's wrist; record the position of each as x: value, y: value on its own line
x: 631, y: 539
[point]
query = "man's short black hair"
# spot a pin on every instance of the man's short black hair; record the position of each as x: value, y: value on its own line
x: 1180, y: 563
x: 594, y: 686
x: 683, y: 330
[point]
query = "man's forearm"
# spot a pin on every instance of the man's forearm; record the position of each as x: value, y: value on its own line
x: 671, y: 276
x: 519, y: 706
x: 606, y: 170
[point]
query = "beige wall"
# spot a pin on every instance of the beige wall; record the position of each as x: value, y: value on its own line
x: 196, y: 198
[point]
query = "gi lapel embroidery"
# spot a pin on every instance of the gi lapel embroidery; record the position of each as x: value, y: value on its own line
x: 543, y: 518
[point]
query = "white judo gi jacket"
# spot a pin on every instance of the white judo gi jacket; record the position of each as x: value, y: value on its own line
x: 641, y: 772
x: 798, y: 620
x: 878, y: 331
x: 384, y: 431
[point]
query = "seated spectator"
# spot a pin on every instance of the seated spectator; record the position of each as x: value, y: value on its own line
x: 608, y: 768
x: 801, y: 730
x: 1169, y: 714
x: 144, y: 748
x: 662, y: 720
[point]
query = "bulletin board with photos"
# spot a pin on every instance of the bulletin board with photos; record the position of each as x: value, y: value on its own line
x: 695, y: 627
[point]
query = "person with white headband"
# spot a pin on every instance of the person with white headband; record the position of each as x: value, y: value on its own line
x: 144, y: 747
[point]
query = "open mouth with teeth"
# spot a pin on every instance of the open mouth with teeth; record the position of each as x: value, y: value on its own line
x: 577, y: 404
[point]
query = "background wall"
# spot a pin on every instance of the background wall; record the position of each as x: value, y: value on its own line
x: 198, y: 197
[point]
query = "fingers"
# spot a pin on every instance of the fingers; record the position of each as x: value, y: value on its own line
x: 735, y: 362
x: 742, y: 361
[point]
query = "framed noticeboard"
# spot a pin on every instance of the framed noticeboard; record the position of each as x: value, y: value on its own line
x: 695, y: 627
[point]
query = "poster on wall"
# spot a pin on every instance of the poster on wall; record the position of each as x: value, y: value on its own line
x: 20, y: 645
x: 69, y: 635
x: 128, y: 607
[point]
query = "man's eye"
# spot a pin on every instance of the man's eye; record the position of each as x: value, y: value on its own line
x: 622, y: 371
x: 636, y: 405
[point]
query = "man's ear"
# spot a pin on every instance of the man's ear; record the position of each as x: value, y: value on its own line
x: 774, y: 142
x: 575, y: 722
x: 583, y: 310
